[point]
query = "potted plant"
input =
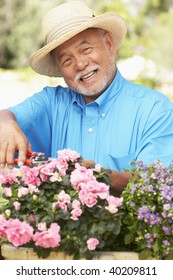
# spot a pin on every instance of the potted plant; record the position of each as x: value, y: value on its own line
x: 63, y: 208
x: 148, y: 203
x: 60, y: 206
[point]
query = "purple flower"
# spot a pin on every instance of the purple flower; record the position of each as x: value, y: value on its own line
x: 143, y: 212
x: 149, y: 237
x: 166, y: 192
x: 141, y: 165
x: 166, y: 243
x: 167, y: 230
x: 166, y: 207
x: 154, y: 219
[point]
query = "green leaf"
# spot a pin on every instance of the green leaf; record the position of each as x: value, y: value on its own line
x: 157, y: 245
x: 128, y: 220
x: 170, y: 257
x: 42, y: 252
x: 145, y: 254
x: 128, y: 238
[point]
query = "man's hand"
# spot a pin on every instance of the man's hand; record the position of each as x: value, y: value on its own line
x: 87, y: 163
x: 119, y: 179
x: 12, y: 140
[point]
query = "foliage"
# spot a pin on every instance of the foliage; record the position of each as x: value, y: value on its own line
x: 63, y: 206
x: 20, y: 35
x: 160, y: 32
x: 148, y: 202
x: 60, y: 206
x: 20, y: 30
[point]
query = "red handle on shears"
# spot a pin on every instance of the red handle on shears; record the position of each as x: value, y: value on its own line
x: 33, y: 159
x: 28, y: 160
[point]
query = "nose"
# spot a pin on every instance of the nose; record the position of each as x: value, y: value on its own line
x: 81, y: 62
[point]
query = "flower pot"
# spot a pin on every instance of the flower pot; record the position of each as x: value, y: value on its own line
x: 10, y: 252
x: 116, y: 256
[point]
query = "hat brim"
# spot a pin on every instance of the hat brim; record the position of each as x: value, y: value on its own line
x: 42, y: 62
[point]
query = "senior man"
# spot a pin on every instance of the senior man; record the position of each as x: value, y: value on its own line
x: 101, y: 115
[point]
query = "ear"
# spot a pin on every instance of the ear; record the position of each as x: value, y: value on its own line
x: 110, y: 42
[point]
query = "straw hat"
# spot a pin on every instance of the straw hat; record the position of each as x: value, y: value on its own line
x: 64, y: 22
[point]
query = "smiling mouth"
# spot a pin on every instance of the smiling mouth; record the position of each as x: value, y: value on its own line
x: 88, y: 76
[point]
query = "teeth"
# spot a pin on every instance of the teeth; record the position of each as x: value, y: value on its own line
x: 87, y: 76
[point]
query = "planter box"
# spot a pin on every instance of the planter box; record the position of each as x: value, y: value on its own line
x: 10, y: 252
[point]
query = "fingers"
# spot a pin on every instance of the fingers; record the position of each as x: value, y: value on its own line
x: 87, y: 163
x: 7, y: 155
x: 10, y: 151
x: 3, y: 150
x: 7, y: 152
x: 12, y: 140
x: 22, y: 152
x: 9, y: 147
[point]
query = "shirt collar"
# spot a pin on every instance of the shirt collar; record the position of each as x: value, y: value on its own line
x: 105, y: 100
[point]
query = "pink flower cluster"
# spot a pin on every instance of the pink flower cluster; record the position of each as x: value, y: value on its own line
x: 19, y: 233
x: 90, y: 190
x: 82, y: 191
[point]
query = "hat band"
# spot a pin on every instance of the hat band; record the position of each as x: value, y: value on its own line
x: 67, y: 26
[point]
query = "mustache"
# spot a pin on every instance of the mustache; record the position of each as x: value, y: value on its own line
x: 85, y: 72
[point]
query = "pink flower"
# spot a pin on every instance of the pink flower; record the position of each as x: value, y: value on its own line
x: 9, y: 178
x: 76, y: 213
x: 68, y: 155
x: 75, y: 204
x: 47, y: 170
x: 81, y: 175
x: 92, y: 243
x: 64, y: 197
x: 8, y: 192
x: 64, y: 156
x: 22, y: 191
x: 16, y: 205
x: 97, y: 168
x: 87, y: 198
x: 29, y: 175
x: 60, y: 205
x: 99, y: 188
x: 113, y: 203
x: 18, y: 233
x: 42, y: 226
x: 49, y: 238
x: 115, y: 200
x: 102, y: 190
x: 62, y: 166
x: 32, y: 217
x: 82, y: 195
x: 32, y: 188
x: 3, y: 224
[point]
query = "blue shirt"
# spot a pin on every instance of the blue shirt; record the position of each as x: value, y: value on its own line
x: 127, y: 122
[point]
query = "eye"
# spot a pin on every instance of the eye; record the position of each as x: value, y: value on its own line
x: 87, y: 50
x: 66, y: 62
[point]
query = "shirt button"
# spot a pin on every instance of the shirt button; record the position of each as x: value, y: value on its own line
x: 90, y: 129
x: 103, y: 115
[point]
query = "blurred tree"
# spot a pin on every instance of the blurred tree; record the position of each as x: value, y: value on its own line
x: 154, y: 7
x: 121, y: 8
x: 154, y: 27
x: 161, y: 40
x: 20, y: 30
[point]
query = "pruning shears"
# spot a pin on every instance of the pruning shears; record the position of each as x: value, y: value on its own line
x: 33, y: 159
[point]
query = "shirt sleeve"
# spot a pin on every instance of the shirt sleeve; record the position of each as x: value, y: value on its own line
x: 157, y: 138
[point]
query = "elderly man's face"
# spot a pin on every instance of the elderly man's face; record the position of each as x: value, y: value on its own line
x: 87, y: 62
